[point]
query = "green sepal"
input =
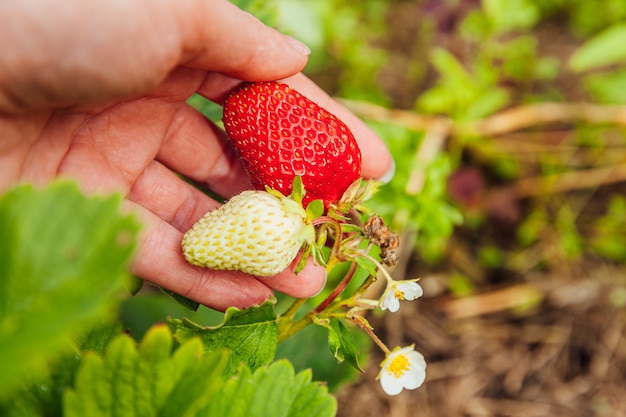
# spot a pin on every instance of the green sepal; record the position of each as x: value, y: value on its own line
x: 359, y: 191
x: 322, y: 235
x: 297, y: 190
x: 318, y: 255
x: 315, y: 209
x: 306, y: 251
x: 351, y: 228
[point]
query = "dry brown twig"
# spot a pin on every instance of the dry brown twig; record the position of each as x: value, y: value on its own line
x: 507, y: 121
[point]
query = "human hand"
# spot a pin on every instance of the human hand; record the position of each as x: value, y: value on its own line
x: 96, y: 91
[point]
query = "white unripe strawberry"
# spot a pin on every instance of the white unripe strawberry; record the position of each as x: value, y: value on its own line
x: 254, y: 232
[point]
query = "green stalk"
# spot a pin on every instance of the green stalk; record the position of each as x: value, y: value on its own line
x: 338, y: 289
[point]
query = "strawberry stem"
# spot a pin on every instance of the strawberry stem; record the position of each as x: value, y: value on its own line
x: 338, y: 233
x: 292, y: 327
x: 365, y: 326
x: 338, y: 290
x: 293, y: 309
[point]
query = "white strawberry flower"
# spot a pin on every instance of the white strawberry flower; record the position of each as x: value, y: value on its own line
x: 399, y: 290
x: 403, y: 368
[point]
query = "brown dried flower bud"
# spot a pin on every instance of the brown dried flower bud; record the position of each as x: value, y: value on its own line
x: 380, y: 235
x: 389, y: 257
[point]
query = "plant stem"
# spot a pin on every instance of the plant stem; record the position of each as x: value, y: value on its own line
x: 360, y: 321
x: 293, y: 309
x: 378, y: 266
x: 337, y: 226
x: 338, y: 289
x: 294, y: 328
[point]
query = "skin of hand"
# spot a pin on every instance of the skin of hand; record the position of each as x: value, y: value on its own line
x: 97, y: 91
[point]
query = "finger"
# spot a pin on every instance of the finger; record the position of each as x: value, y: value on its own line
x: 197, y: 149
x: 307, y: 283
x: 377, y: 161
x: 219, y: 36
x: 170, y: 198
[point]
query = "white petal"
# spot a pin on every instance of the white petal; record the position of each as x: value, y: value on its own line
x: 390, y: 384
x: 416, y: 374
x: 413, y: 378
x: 389, y: 301
x: 416, y: 358
x: 394, y: 304
x: 411, y: 290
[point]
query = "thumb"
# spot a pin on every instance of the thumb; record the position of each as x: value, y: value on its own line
x: 218, y: 36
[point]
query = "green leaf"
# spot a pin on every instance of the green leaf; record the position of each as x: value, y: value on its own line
x: 366, y: 264
x: 511, y: 14
x: 182, y: 301
x: 341, y: 342
x: 605, y: 48
x: 487, y: 103
x: 63, y: 257
x: 324, y: 367
x: 133, y: 284
x: 251, y: 335
x: 607, y: 87
x: 275, y: 391
x: 43, y: 396
x: 449, y: 66
x: 145, y: 380
x: 99, y: 336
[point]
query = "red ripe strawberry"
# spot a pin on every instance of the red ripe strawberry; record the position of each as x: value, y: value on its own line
x: 280, y: 134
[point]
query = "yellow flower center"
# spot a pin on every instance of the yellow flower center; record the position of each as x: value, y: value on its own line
x: 399, y: 365
x: 398, y: 294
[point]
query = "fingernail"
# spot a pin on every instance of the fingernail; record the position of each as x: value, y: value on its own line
x: 297, y: 46
x: 324, y: 285
x: 388, y: 176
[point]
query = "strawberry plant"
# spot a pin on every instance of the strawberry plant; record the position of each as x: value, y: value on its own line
x: 288, y: 144
x: 74, y: 359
